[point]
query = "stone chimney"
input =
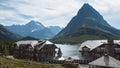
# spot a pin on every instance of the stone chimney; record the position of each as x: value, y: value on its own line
x: 110, y: 48
x: 110, y: 41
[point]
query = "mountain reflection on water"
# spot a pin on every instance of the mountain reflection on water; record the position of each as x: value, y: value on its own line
x: 69, y: 50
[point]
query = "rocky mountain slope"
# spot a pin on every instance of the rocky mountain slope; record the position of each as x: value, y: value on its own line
x: 87, y: 24
x: 5, y: 34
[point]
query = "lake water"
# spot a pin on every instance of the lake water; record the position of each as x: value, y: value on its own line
x: 69, y: 50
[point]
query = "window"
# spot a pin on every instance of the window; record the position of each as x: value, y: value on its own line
x: 117, y: 50
x: 86, y: 54
x: 98, y: 49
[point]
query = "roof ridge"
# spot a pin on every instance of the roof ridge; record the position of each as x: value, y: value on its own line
x: 113, y: 59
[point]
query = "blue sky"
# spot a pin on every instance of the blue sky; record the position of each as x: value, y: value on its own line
x: 55, y: 12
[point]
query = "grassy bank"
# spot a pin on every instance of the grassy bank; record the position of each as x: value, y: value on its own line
x: 15, y: 63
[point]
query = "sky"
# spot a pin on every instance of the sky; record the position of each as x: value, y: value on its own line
x: 55, y: 12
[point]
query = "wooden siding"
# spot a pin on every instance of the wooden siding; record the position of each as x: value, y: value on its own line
x: 28, y: 52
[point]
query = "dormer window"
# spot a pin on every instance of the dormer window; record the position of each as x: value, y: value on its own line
x: 85, y: 48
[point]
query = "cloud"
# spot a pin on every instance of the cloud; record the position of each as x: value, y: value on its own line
x: 110, y: 11
x: 54, y: 12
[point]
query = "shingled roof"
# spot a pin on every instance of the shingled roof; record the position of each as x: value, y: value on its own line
x: 92, y: 44
x: 34, y: 43
x: 106, y: 61
x: 31, y: 42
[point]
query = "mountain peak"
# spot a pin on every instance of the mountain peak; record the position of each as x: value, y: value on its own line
x: 87, y: 17
x: 32, y: 22
x: 86, y: 5
x: 33, y: 29
x: 87, y: 9
x: 89, y: 13
x: 35, y: 24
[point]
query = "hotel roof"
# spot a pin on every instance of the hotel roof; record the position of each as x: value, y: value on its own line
x: 92, y: 44
x: 106, y: 61
x: 33, y: 42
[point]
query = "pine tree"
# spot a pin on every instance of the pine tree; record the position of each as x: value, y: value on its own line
x: 6, y: 52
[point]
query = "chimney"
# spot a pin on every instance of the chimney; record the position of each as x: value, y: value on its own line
x: 110, y: 41
x: 106, y: 59
x: 109, y: 48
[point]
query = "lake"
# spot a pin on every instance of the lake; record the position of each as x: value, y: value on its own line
x: 69, y: 50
